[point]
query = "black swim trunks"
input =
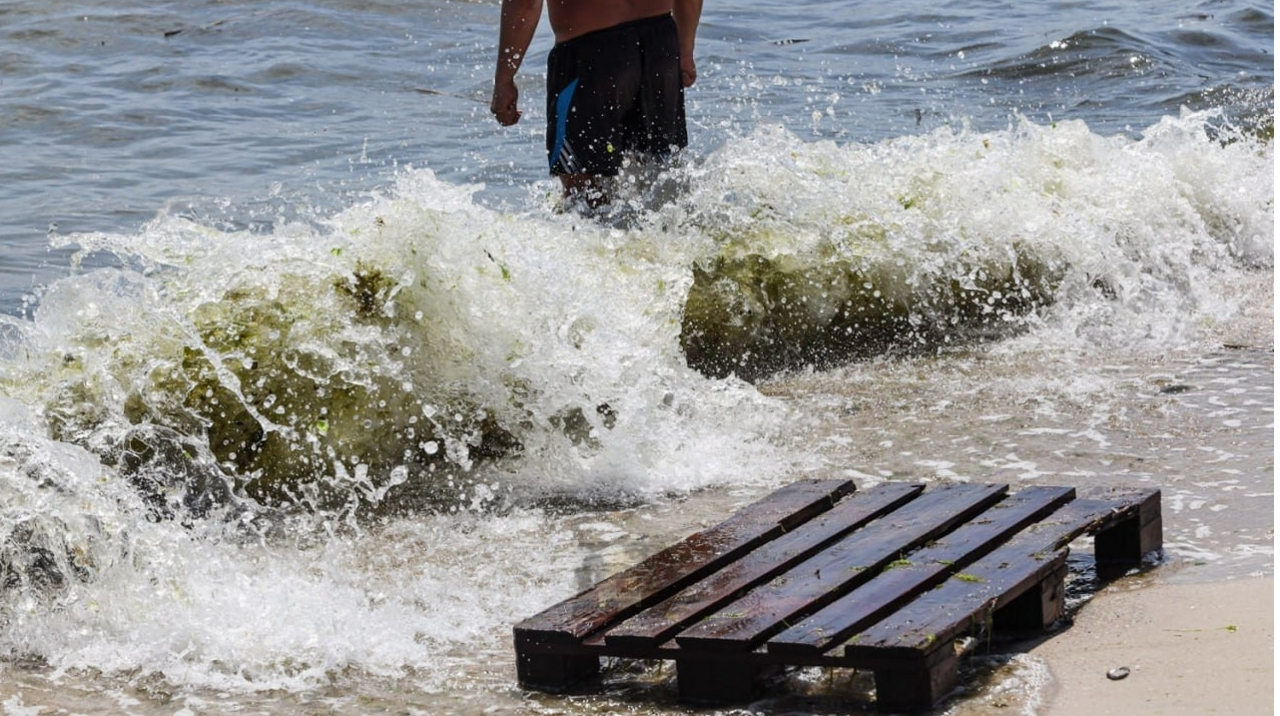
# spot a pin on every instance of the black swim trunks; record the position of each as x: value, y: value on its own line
x: 615, y: 91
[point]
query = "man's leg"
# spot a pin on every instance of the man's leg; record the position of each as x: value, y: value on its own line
x: 590, y: 189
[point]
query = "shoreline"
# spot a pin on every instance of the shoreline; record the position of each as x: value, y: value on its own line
x: 1191, y: 648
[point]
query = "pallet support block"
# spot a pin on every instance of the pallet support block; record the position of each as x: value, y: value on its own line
x: 554, y: 672
x: 716, y: 682
x: 916, y: 685
x: 1036, y: 609
x: 1125, y: 544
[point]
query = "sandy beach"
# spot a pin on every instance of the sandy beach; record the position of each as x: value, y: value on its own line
x: 1191, y: 649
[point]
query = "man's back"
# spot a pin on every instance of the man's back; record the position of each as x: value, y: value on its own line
x: 571, y: 18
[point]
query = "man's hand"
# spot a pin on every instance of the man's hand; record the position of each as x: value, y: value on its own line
x: 688, y: 71
x: 516, y: 26
x: 503, y: 106
x: 687, y: 14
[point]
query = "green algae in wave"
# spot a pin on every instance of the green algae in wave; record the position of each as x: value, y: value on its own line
x: 294, y: 410
x: 753, y: 316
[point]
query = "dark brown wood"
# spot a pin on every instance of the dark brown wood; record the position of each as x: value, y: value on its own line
x: 862, y: 591
x: 1123, y: 545
x: 957, y: 607
x: 971, y: 597
x: 916, y: 684
x: 834, y: 571
x: 708, y: 682
x: 655, y: 578
x: 1126, y: 519
x: 554, y: 672
x: 922, y: 571
x: 678, y: 565
x: 1035, y: 609
x: 662, y: 621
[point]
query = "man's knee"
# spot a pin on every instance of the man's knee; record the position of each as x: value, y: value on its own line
x: 590, y: 189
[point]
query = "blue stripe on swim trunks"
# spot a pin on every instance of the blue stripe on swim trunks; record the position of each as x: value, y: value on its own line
x: 562, y: 119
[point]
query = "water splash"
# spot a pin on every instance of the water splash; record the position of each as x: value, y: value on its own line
x: 828, y: 251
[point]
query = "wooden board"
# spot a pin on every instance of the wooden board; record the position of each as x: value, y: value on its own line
x: 818, y: 574
x: 660, y: 622
x: 679, y: 564
x: 837, y: 570
x: 569, y: 622
x: 928, y: 567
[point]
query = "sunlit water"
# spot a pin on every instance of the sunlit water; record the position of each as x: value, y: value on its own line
x: 308, y: 391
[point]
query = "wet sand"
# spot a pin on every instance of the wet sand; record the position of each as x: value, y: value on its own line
x: 1191, y: 650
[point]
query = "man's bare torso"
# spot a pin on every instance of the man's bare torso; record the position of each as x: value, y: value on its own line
x: 571, y: 18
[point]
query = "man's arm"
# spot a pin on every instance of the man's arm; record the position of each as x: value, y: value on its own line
x: 515, y: 33
x: 687, y: 13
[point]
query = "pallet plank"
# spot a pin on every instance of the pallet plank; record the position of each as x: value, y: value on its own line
x: 914, y: 660
x: 838, y: 569
x: 658, y: 576
x: 933, y: 620
x: 928, y: 567
x: 660, y: 622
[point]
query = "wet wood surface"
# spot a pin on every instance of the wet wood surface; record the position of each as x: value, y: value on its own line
x: 971, y: 597
x: 839, y: 568
x: 815, y: 574
x: 658, y: 576
x: 924, y: 570
x: 662, y: 621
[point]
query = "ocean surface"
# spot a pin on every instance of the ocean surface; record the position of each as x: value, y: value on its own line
x: 310, y: 388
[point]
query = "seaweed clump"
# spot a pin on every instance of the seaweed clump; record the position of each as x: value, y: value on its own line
x: 291, y: 394
x: 754, y: 316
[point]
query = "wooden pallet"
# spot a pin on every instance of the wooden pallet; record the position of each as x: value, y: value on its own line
x: 816, y: 574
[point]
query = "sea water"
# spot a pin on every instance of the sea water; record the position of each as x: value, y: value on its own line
x: 309, y: 389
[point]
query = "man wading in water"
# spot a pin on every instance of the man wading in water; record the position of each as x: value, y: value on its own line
x: 615, y: 82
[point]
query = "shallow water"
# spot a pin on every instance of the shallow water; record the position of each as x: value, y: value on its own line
x: 294, y: 258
